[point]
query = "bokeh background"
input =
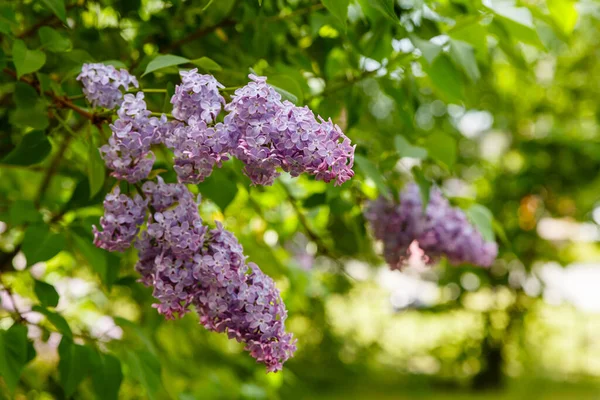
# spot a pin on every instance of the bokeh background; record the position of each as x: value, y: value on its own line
x: 494, y: 101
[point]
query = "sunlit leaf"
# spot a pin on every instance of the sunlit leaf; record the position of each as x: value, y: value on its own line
x: 164, y: 61
x: 442, y: 147
x: 40, y: 244
x: 482, y: 218
x: 405, y: 149
x: 463, y: 55
x: 370, y: 171
x: 339, y: 9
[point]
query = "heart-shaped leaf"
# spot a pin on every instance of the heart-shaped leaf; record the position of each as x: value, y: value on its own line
x: 26, y: 61
x: 164, y: 61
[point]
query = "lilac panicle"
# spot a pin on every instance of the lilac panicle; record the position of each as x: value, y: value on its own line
x: 241, y: 300
x: 442, y: 230
x: 251, y: 110
x: 128, y: 153
x: 197, y: 96
x: 120, y: 223
x: 272, y: 134
x: 198, y: 148
x: 102, y: 83
x: 186, y: 265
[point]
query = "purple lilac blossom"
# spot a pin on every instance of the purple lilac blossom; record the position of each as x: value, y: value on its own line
x: 305, y: 145
x: 198, y: 148
x: 188, y: 266
x: 251, y: 111
x: 120, y: 223
x: 442, y: 230
x: 128, y: 153
x: 102, y: 83
x: 239, y: 299
x: 272, y: 134
x: 197, y: 96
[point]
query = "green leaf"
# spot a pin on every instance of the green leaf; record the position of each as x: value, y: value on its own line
x: 220, y: 187
x: 39, y: 244
x: 442, y: 147
x: 26, y: 61
x: 518, y: 22
x: 58, y: 8
x: 370, y: 171
x: 470, y: 30
x: 164, y: 61
x: 446, y: 78
x: 386, y: 7
x: 22, y: 212
x: 105, y: 264
x: 73, y: 366
x: 564, y: 14
x: 146, y: 368
x: 315, y: 200
x: 339, y: 9
x: 429, y: 50
x: 54, y: 41
x: 424, y: 187
x: 106, y: 376
x: 14, y: 354
x: 36, y: 118
x: 463, y: 54
x: 405, y: 149
x: 483, y: 219
x: 46, y: 293
x: 33, y: 148
x: 115, y: 63
x: 55, y: 319
x: 287, y: 87
x: 206, y: 64
x: 25, y: 95
x: 96, y: 170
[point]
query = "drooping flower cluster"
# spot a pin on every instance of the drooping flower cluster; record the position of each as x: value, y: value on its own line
x: 102, y: 83
x: 239, y: 299
x: 128, y: 153
x: 442, y: 230
x: 186, y: 266
x: 121, y: 221
x: 272, y: 134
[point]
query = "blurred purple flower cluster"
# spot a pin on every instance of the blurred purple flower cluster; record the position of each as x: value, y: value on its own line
x: 102, y: 83
x: 442, y: 230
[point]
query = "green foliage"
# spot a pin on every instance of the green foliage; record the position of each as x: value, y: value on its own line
x: 40, y: 244
x: 404, y: 80
x: 15, y: 352
x: 26, y: 61
x: 46, y: 294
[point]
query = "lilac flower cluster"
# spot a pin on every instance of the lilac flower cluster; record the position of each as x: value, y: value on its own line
x: 121, y: 221
x: 441, y: 230
x: 197, y: 96
x: 102, y: 83
x: 188, y: 266
x: 128, y: 153
x: 271, y: 134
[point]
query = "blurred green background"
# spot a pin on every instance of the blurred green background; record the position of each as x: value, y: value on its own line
x: 494, y: 101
